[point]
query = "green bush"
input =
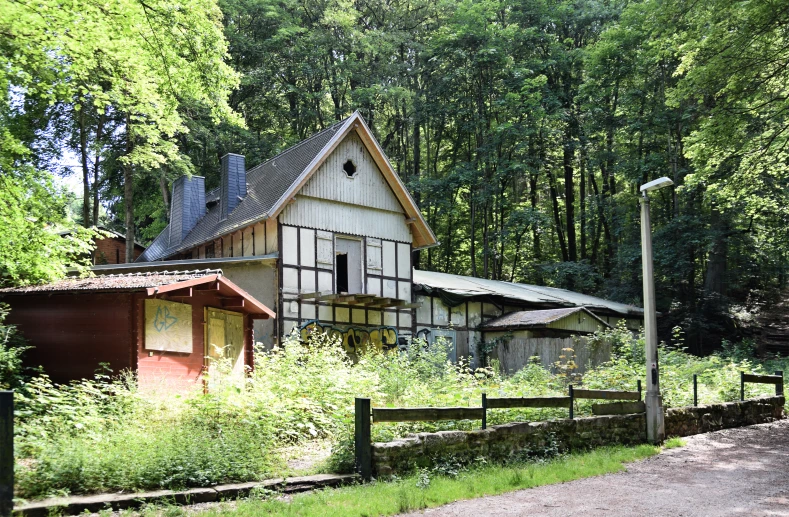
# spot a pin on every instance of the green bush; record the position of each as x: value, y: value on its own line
x: 12, y: 347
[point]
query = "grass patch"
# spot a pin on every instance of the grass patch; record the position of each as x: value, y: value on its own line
x: 424, y: 490
x: 674, y: 442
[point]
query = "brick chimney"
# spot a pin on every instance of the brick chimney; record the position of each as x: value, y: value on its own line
x: 187, y: 206
x: 234, y: 183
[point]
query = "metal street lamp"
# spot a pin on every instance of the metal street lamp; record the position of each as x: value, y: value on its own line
x: 656, y: 430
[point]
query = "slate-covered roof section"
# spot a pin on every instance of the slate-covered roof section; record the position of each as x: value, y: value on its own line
x: 130, y: 281
x: 267, y: 183
x: 470, y: 287
x: 536, y: 319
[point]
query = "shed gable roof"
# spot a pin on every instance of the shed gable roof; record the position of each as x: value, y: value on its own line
x: 538, y: 319
x: 273, y: 183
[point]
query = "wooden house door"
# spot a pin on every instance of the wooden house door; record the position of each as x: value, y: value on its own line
x: 225, y: 339
x: 348, y: 265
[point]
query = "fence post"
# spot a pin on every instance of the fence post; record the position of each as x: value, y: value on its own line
x: 572, y: 400
x: 363, y: 438
x: 695, y: 390
x: 638, y: 384
x: 742, y: 386
x: 779, y: 388
x: 6, y: 453
x: 484, y: 410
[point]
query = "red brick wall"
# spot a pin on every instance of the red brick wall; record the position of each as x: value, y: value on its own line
x: 73, y: 333
x: 112, y: 250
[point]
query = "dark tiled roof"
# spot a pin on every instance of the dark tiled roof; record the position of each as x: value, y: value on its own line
x: 267, y: 183
x: 114, y: 282
x: 525, y: 319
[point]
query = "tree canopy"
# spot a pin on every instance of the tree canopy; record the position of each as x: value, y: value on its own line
x: 523, y: 129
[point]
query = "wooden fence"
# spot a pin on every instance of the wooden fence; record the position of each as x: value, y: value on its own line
x: 777, y: 379
x: 364, y: 412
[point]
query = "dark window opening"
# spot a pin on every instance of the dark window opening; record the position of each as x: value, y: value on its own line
x: 117, y: 256
x: 209, y: 250
x: 342, y: 273
x: 349, y: 168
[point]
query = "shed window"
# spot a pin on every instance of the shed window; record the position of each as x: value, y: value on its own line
x: 349, y: 168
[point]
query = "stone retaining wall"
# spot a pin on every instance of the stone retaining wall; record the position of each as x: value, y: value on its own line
x: 686, y: 421
x: 510, y: 440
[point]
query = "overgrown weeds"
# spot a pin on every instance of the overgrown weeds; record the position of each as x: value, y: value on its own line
x: 105, y: 435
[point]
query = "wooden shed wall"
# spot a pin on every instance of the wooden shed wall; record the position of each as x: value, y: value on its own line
x: 73, y: 334
x: 517, y: 349
x: 182, y: 371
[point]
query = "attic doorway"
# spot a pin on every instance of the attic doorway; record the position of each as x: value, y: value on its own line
x: 348, y: 265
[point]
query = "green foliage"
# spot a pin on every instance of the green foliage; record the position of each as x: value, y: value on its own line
x: 674, y: 442
x: 430, y: 489
x: 104, y: 435
x: 12, y: 347
x: 31, y: 211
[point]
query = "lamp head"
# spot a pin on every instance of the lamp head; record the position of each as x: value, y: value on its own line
x: 656, y: 184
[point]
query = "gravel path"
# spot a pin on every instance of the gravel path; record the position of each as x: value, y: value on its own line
x: 743, y: 471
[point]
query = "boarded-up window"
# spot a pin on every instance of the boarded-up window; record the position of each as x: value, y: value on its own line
x: 168, y: 326
x: 374, y: 256
x: 325, y: 247
x: 225, y: 339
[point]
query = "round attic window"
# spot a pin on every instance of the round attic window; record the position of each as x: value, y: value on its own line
x: 349, y: 168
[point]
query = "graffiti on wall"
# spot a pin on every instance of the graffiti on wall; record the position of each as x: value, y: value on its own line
x: 168, y: 326
x: 354, y: 339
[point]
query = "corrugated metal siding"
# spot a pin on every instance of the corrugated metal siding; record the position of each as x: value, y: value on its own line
x: 367, y: 187
x: 324, y: 214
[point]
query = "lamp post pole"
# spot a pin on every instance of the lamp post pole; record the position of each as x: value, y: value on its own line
x: 654, y: 402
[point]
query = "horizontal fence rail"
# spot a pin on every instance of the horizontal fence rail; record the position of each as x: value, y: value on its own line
x: 424, y: 414
x: 528, y: 402
x: 777, y: 380
x: 606, y: 394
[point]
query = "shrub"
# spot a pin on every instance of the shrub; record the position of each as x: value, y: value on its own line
x: 12, y: 347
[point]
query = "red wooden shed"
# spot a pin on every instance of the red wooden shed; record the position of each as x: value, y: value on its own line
x: 165, y: 326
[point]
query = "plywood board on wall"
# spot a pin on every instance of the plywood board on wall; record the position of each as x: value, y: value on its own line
x: 168, y: 326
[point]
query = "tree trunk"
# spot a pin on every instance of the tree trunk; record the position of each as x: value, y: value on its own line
x: 557, y: 218
x: 165, y: 193
x: 569, y: 195
x: 83, y: 151
x: 96, y: 165
x: 714, y: 279
x: 582, y: 195
x: 128, y: 194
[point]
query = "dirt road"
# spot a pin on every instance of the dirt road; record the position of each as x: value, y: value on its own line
x: 741, y: 471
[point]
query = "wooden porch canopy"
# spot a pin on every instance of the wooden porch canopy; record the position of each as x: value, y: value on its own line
x: 230, y: 295
x: 160, y: 284
x: 371, y: 301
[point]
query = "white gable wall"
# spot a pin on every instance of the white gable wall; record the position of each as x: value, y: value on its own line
x: 328, y: 210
